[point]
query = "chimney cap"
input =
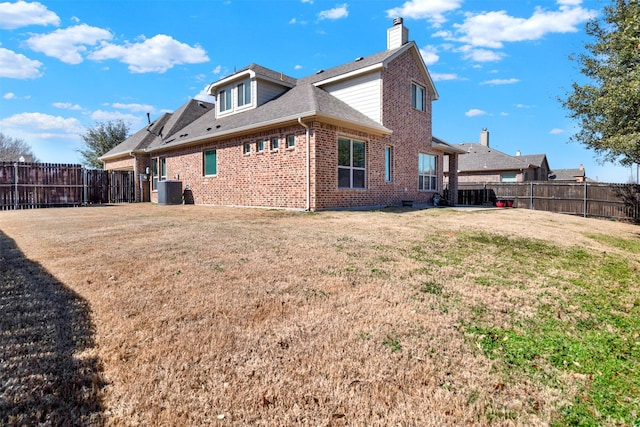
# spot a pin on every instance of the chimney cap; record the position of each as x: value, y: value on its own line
x: 397, y: 21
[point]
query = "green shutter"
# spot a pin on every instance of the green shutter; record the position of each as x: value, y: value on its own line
x: 210, y: 162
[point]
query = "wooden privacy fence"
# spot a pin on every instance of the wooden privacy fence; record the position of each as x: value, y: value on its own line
x: 589, y: 199
x: 41, y: 185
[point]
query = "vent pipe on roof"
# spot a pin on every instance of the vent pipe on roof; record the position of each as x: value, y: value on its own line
x: 518, y: 154
x: 397, y: 35
x: 484, y: 137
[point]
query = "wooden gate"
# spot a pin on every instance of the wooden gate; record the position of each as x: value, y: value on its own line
x: 40, y: 185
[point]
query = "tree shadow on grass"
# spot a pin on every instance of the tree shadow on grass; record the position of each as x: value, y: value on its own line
x: 48, y: 372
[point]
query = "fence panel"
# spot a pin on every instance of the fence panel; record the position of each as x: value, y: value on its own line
x: 38, y: 185
x: 621, y: 201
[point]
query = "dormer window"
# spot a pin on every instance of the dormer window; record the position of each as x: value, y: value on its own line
x: 224, y: 99
x: 244, y: 93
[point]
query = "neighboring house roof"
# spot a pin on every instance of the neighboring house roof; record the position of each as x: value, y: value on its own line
x: 533, y: 159
x: 482, y: 158
x: 567, y: 174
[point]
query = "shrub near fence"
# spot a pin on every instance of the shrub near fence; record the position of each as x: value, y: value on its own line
x: 39, y: 185
x: 589, y: 199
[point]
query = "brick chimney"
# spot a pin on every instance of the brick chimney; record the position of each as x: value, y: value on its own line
x: 484, y: 137
x: 398, y: 35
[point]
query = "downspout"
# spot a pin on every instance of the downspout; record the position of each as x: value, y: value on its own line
x: 308, y: 165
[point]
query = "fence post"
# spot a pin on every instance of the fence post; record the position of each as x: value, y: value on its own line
x: 15, y: 180
x: 584, y: 204
x: 531, y: 195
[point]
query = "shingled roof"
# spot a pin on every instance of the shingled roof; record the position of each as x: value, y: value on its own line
x: 196, y: 121
x: 482, y: 158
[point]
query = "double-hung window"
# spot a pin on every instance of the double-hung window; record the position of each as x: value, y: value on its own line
x: 210, y: 159
x: 244, y: 93
x: 351, y: 163
x: 417, y: 96
x: 427, y: 172
x: 224, y: 99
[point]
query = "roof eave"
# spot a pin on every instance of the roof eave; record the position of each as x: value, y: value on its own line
x: 257, y: 127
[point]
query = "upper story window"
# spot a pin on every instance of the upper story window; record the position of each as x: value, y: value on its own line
x: 260, y: 146
x: 224, y: 99
x: 275, y: 143
x: 244, y: 93
x: 417, y: 96
x: 247, y: 148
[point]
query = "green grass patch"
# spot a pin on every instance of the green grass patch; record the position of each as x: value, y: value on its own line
x: 591, y: 333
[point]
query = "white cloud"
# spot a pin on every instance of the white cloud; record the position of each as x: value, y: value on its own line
x: 105, y: 116
x: 523, y: 106
x: 474, y: 112
x: 439, y: 77
x: 42, y: 125
x: 556, y: 131
x: 68, y: 44
x: 134, y: 107
x: 9, y: 95
x: 480, y: 55
x: 67, y: 106
x: 22, y: 14
x: 432, y: 10
x: 218, y: 70
x: 496, y: 82
x: 298, y: 67
x: 17, y: 66
x: 337, y: 12
x: 492, y: 29
x: 429, y: 55
x: 292, y: 21
x: 157, y: 54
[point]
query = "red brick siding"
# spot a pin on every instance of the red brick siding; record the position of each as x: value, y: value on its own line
x: 411, y: 128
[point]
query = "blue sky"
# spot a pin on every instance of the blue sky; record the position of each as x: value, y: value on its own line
x: 501, y: 64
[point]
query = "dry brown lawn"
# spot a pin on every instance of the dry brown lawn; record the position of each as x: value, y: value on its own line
x: 192, y: 315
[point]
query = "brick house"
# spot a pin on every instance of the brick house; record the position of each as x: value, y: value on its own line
x: 356, y: 135
x: 482, y: 163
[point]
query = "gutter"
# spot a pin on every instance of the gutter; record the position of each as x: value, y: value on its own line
x: 308, y: 164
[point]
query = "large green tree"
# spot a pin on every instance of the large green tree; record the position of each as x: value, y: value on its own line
x: 100, y: 139
x: 13, y: 149
x: 607, y: 105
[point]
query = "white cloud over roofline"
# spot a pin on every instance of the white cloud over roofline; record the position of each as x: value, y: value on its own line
x: 157, y: 54
x: 431, y: 10
x: 68, y: 44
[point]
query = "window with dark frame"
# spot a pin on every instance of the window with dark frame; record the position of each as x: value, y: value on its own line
x: 351, y: 164
x: 247, y: 148
x: 275, y: 143
x: 260, y: 146
x: 291, y: 141
x: 417, y: 96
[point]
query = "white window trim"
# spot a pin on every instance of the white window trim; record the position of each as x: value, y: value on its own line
x: 423, y: 91
x: 426, y: 176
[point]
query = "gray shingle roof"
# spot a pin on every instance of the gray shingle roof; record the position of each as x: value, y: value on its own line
x: 196, y: 121
x: 566, y: 174
x: 479, y: 157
